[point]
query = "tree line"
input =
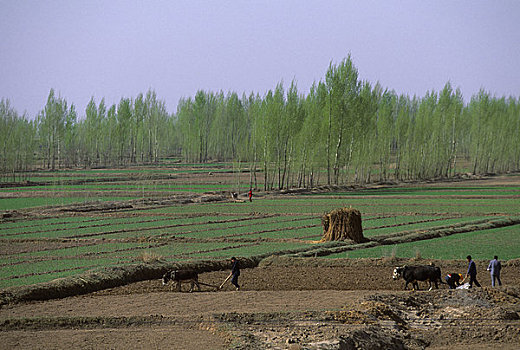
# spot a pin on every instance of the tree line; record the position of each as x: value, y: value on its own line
x: 342, y: 130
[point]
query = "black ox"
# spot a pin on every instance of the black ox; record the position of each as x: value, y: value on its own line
x: 178, y: 276
x: 412, y: 274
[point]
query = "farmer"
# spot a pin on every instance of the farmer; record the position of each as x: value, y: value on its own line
x: 250, y: 195
x: 235, y: 272
x: 494, y: 268
x: 454, y: 280
x: 472, y: 273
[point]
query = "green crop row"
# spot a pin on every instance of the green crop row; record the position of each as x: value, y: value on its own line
x: 46, y: 225
x: 103, y: 248
x: 417, y: 226
x: 33, y: 279
x: 8, y: 275
x: 175, y: 249
x: 248, y: 251
x: 318, y: 206
x: 70, y: 230
x: 72, y: 223
x: 115, y: 186
x: 480, y: 245
x: 43, y: 222
x: 22, y: 203
x: 435, y: 191
x: 231, y: 231
x: 115, y: 225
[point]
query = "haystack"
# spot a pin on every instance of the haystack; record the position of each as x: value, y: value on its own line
x: 341, y: 224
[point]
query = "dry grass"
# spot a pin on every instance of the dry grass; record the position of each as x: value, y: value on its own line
x: 341, y: 224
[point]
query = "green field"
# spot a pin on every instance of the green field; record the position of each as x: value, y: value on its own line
x: 484, y: 244
x: 49, y: 244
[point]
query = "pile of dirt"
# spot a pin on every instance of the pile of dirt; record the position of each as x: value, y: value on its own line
x: 374, y: 337
x: 442, y: 319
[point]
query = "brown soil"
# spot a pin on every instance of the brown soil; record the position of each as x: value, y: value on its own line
x: 283, y: 304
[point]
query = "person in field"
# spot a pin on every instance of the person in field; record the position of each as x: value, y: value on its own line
x: 454, y: 280
x: 494, y: 268
x: 472, y: 272
x: 250, y: 195
x: 235, y: 272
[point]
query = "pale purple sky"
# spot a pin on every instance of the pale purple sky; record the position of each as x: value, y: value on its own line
x: 115, y: 49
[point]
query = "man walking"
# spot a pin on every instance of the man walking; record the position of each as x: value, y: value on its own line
x: 235, y: 272
x: 494, y: 268
x: 472, y: 273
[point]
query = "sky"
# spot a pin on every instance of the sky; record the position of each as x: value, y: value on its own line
x: 118, y: 49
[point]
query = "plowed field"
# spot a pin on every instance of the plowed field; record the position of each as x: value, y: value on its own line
x: 296, y: 304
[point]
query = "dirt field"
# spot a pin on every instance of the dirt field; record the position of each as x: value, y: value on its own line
x: 283, y: 304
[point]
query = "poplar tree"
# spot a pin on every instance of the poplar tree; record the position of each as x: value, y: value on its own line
x: 51, y: 127
x: 124, y: 133
x: 18, y: 142
x: 343, y: 88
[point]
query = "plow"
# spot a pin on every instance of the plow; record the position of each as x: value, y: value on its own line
x: 210, y: 285
x: 214, y: 286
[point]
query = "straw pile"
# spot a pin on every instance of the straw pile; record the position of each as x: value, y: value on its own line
x: 342, y: 224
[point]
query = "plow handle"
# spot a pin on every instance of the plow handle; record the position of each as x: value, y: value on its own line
x: 222, y: 285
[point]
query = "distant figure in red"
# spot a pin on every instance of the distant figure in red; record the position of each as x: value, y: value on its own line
x: 250, y: 195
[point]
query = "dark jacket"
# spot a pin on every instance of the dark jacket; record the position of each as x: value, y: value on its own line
x: 235, y: 269
x: 472, y: 268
